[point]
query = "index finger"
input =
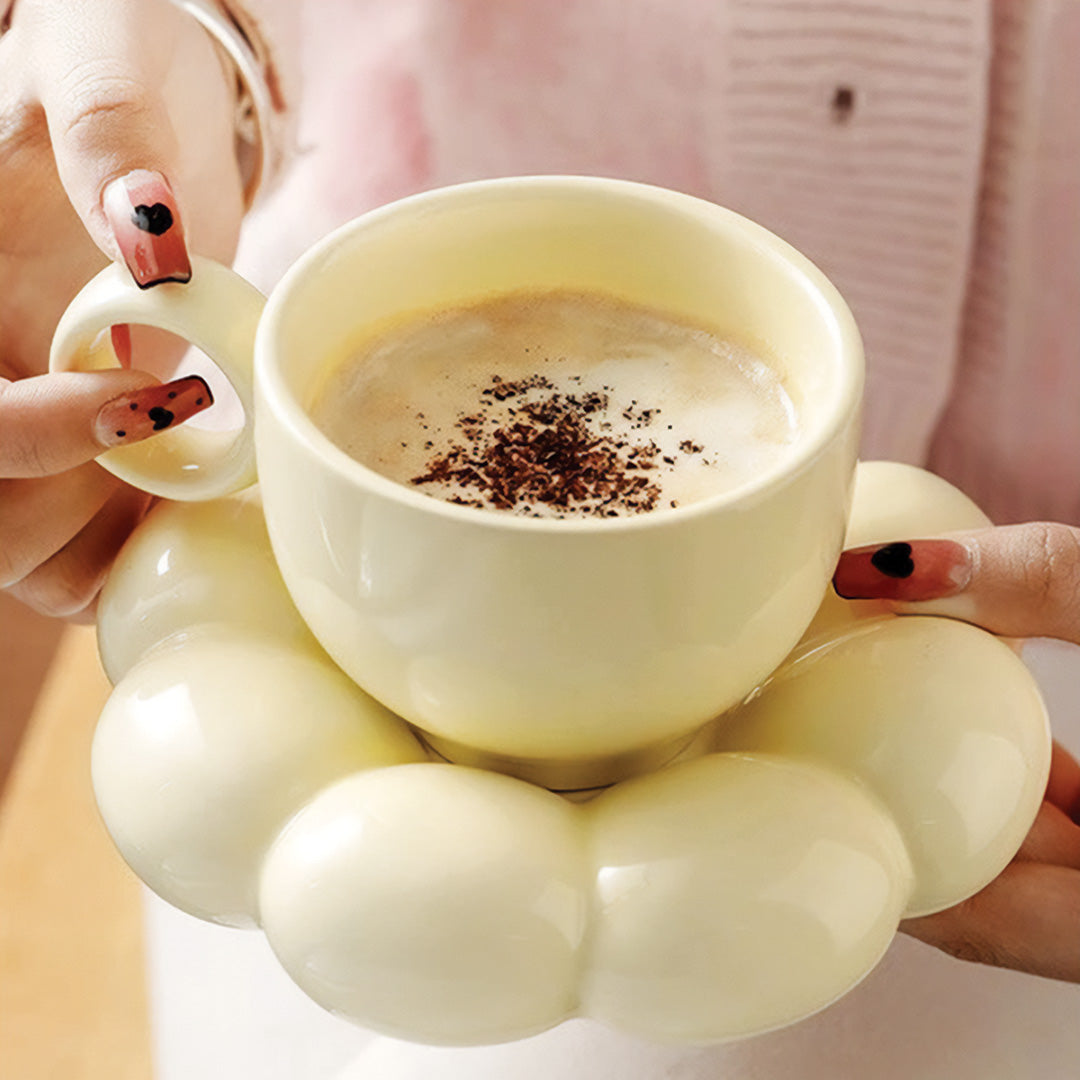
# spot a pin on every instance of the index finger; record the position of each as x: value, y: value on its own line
x: 99, y: 67
x: 52, y: 423
x: 1014, y: 580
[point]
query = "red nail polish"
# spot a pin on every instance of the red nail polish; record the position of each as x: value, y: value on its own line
x: 121, y: 344
x: 146, y: 223
x: 133, y: 417
x: 919, y: 570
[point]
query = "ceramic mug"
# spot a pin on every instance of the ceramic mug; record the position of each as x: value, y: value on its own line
x: 525, y: 640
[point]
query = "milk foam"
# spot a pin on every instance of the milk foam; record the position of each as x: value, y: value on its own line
x: 706, y: 413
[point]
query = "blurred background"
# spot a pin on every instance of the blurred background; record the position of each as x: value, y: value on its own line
x: 27, y: 645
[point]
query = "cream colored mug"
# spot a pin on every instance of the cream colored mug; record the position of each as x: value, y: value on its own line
x: 585, y: 641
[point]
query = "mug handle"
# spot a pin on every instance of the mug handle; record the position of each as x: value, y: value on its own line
x: 218, y: 311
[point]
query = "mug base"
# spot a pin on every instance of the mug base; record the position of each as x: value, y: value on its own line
x: 571, y: 777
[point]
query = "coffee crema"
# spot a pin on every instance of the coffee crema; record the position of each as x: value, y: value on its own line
x: 558, y: 404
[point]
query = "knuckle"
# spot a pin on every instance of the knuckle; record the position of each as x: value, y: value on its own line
x: 11, y: 570
x: 95, y: 96
x: 14, y: 564
x: 973, y: 949
x: 1053, y: 573
x: 59, y: 590
x: 20, y: 457
x: 968, y: 932
x: 23, y: 459
x: 22, y: 133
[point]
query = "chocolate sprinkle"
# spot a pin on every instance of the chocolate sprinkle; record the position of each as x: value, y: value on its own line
x: 549, y: 454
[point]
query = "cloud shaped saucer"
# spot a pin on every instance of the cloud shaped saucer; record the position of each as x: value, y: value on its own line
x: 890, y: 767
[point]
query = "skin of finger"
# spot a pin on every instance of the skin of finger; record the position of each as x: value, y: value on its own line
x: 38, y: 517
x: 1026, y: 919
x: 48, y: 256
x: 158, y: 352
x: 1025, y: 582
x: 1054, y: 838
x: 1063, y: 789
x: 137, y: 84
x: 46, y: 422
x: 99, y: 82
x: 67, y: 585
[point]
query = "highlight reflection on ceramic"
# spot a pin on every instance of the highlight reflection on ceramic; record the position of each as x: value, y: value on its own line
x: 890, y: 767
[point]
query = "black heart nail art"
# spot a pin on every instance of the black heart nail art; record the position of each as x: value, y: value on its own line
x: 894, y: 560
x: 162, y: 417
x: 155, y: 219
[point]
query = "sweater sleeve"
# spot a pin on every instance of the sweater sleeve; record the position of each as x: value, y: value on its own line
x: 1011, y: 433
x: 856, y: 132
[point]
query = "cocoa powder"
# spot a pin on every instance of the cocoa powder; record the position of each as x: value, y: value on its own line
x: 554, y: 450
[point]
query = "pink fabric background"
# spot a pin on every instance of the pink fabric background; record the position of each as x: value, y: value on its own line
x: 945, y: 204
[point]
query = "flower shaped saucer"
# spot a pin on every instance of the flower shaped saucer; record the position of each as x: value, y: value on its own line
x: 890, y: 767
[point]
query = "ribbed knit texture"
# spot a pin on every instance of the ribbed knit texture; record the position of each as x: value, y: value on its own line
x: 855, y: 132
x: 1011, y: 435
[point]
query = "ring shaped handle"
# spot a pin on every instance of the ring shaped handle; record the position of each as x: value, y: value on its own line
x: 217, y: 311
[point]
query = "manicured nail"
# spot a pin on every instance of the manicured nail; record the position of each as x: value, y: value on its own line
x: 919, y: 570
x: 146, y: 223
x: 121, y: 344
x: 133, y: 417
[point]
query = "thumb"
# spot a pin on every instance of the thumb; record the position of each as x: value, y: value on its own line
x: 1014, y: 580
x: 100, y: 77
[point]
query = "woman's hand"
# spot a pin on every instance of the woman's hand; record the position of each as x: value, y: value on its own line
x: 114, y: 115
x: 1018, y: 581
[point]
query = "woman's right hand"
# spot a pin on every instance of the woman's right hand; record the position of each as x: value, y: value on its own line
x: 114, y: 114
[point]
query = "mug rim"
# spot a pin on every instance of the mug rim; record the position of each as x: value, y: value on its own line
x: 272, y: 388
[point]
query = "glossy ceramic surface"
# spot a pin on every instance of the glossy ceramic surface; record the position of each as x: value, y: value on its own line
x: 566, y: 641
x: 891, y: 766
x: 218, y: 311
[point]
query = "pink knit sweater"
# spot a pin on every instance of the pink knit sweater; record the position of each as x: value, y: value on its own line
x: 925, y: 153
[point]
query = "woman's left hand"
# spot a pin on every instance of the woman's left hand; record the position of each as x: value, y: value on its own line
x: 1017, y: 581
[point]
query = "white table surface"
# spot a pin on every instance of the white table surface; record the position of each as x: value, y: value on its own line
x: 223, y: 1009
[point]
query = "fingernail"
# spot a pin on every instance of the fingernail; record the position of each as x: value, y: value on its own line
x: 146, y: 223
x: 121, y: 344
x: 133, y: 417
x: 919, y: 570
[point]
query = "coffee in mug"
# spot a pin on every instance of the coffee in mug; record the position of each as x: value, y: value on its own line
x: 560, y: 404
